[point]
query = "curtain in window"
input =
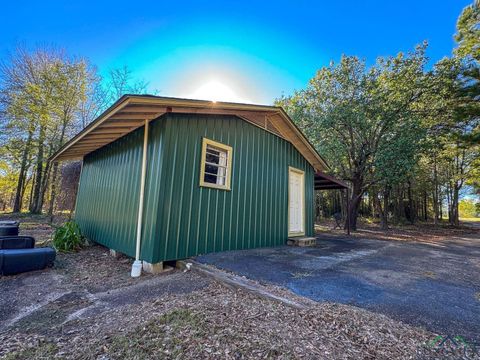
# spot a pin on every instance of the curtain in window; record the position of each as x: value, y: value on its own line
x: 222, y: 169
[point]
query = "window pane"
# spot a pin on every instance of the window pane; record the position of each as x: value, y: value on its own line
x: 208, y: 178
x: 211, y: 169
x: 221, y: 180
x: 213, y: 152
x: 215, y: 166
x: 212, y: 156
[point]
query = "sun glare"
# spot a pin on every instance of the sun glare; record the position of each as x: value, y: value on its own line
x: 216, y: 91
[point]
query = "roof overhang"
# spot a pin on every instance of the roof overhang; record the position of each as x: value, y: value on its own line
x: 131, y: 111
x: 327, y: 182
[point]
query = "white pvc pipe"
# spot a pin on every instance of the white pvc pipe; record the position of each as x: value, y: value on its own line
x: 137, y: 264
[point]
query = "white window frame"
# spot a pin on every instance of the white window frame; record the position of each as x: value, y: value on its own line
x: 228, y: 165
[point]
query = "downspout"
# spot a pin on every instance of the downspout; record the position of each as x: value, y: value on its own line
x: 137, y: 264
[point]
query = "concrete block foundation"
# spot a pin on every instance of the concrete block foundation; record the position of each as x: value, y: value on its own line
x: 115, y: 254
x: 301, y: 241
x: 156, y: 268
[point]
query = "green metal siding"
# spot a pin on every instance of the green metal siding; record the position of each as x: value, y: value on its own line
x: 194, y: 220
x: 182, y: 219
x: 107, y: 204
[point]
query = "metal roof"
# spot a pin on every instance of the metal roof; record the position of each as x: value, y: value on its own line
x: 131, y: 111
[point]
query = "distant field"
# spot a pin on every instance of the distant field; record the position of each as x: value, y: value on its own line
x: 471, y: 219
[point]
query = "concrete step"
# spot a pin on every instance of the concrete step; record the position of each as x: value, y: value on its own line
x: 301, y: 241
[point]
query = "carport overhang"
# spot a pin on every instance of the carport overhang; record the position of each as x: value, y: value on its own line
x: 323, y: 181
x: 328, y: 182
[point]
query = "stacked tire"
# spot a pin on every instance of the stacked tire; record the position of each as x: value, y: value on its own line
x: 9, y: 228
x: 18, y: 253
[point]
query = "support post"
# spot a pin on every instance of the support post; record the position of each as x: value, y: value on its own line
x: 137, y: 264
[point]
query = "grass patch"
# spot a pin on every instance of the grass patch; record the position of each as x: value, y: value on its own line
x: 470, y: 219
x: 43, y: 351
x: 162, y: 337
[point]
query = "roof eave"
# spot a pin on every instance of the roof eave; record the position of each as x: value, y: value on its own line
x: 134, y: 100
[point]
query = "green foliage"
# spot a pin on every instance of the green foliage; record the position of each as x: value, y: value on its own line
x: 365, y: 121
x: 8, y: 181
x: 468, y: 32
x: 68, y: 237
x: 468, y: 208
x: 42, y: 351
x: 46, y: 97
x: 394, y: 129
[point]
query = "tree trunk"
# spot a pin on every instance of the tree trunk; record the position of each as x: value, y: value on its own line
x: 449, y: 202
x: 384, y: 208
x: 37, y: 200
x: 411, y: 213
x: 454, y: 220
x: 377, y: 206
x: 440, y: 208
x: 17, y: 204
x: 45, y: 182
x: 400, y: 205
x: 435, y: 191
x: 355, y: 200
x: 53, y: 191
x: 425, y: 205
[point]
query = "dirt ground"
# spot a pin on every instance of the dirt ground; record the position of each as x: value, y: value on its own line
x: 88, y: 307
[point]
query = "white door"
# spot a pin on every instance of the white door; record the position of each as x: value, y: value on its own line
x: 296, y: 201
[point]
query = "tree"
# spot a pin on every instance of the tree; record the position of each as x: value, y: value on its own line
x: 46, y: 97
x: 7, y: 184
x: 468, y: 32
x: 468, y: 51
x: 353, y: 115
x: 40, y: 93
x: 468, y: 208
x: 120, y: 81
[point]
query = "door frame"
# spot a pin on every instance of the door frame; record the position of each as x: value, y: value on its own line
x: 291, y: 169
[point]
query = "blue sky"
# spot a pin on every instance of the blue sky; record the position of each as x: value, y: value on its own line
x: 256, y: 50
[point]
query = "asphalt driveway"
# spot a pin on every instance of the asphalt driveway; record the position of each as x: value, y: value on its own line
x: 436, y: 286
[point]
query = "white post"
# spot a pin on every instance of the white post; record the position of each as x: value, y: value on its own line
x: 137, y: 264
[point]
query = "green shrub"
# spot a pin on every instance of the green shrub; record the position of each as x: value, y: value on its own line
x: 68, y: 237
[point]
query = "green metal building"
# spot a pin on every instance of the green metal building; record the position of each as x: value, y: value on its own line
x: 166, y: 179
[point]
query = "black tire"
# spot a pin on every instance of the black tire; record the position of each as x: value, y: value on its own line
x: 9, y: 223
x: 19, y: 261
x: 16, y: 242
x: 8, y: 230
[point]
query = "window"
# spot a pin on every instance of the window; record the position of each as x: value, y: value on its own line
x: 216, y: 167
